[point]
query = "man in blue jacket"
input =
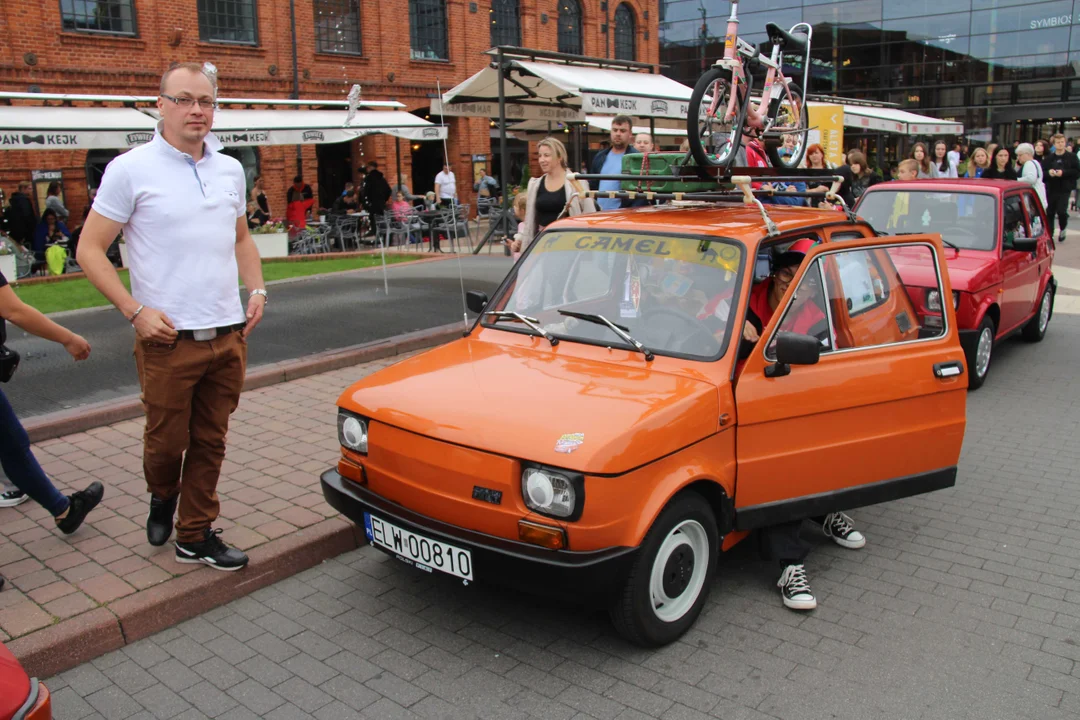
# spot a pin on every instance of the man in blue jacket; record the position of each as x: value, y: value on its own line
x: 609, y: 161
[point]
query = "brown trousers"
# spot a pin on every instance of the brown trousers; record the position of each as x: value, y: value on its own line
x: 189, y: 389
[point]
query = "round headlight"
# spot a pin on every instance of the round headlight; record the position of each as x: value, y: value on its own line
x: 354, y: 434
x: 933, y: 301
x: 539, y: 489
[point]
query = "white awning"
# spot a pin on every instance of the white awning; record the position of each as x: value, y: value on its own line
x: 305, y: 127
x: 565, y: 93
x: 236, y: 128
x: 74, y: 97
x: 596, y: 123
x: 24, y: 127
x: 894, y: 120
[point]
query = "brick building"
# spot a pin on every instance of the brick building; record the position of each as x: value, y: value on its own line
x: 395, y: 49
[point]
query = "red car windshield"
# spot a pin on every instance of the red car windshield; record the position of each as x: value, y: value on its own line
x: 964, y: 220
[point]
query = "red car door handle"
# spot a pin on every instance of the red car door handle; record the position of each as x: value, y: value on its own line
x: 948, y: 369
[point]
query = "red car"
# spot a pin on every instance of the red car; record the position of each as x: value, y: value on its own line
x: 21, y: 697
x: 998, y: 250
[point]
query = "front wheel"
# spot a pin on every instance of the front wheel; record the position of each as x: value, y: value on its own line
x: 979, y: 358
x: 670, y: 579
x: 712, y: 134
x: 791, y: 119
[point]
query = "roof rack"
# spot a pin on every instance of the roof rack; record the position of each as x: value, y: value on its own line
x: 742, y: 184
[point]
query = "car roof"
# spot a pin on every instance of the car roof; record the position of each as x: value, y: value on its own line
x: 992, y: 186
x: 732, y: 220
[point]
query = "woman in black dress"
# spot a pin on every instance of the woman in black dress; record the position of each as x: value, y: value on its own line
x: 551, y: 193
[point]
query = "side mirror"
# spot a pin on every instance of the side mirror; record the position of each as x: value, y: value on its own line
x: 476, y: 301
x: 793, y: 349
x: 1024, y: 244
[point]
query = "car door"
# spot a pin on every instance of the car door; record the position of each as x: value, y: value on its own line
x: 880, y: 416
x: 1040, y: 229
x: 1020, y: 270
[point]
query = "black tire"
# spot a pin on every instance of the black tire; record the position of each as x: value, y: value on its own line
x: 1035, y: 330
x: 975, y: 378
x: 695, y: 129
x: 634, y: 614
x: 792, y: 161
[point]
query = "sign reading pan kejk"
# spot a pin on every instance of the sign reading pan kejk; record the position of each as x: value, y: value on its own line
x: 634, y: 105
x: 72, y: 140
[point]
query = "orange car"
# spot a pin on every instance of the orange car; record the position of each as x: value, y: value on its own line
x: 596, y: 433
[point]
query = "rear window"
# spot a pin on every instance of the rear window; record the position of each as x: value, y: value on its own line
x: 965, y: 220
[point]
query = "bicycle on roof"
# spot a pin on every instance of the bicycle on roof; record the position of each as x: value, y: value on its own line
x: 721, y: 110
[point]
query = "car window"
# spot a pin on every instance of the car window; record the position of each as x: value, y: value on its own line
x: 964, y: 219
x: 672, y: 294
x: 1014, y: 223
x: 1034, y: 214
x: 863, y: 298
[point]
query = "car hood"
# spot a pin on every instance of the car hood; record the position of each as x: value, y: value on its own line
x: 521, y: 402
x: 969, y: 270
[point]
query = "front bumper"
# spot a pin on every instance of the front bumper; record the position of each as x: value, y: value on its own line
x: 592, y: 577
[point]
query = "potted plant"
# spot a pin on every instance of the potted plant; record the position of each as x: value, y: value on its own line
x: 272, y: 239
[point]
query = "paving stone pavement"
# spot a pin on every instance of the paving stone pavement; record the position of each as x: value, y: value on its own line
x: 964, y: 604
x: 280, y: 438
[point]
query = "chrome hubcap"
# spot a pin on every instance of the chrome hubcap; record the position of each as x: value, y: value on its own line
x: 1044, y: 312
x: 982, y: 354
x: 678, y: 571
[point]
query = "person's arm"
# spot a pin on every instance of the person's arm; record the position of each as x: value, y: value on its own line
x: 249, y: 264
x: 1028, y: 174
x: 97, y: 235
x: 34, y: 322
x: 1071, y: 171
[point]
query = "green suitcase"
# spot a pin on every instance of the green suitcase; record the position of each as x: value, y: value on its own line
x: 642, y: 165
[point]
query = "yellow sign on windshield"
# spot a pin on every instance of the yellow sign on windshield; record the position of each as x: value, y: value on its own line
x: 714, y: 254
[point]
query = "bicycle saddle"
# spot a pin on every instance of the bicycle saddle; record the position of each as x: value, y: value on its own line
x: 793, y: 44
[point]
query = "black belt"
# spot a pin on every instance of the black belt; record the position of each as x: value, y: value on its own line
x: 218, y: 331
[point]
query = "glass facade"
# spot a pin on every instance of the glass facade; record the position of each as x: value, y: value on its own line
x: 985, y: 63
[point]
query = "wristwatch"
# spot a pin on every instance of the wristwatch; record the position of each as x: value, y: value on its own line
x: 260, y: 291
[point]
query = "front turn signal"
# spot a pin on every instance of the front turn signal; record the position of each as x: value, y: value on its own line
x: 351, y: 471
x: 552, y: 538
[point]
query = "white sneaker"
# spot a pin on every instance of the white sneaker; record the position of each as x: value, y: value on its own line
x: 795, y: 589
x: 842, y: 530
x: 11, y: 498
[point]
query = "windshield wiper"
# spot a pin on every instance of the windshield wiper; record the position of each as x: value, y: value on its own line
x: 530, y: 321
x: 619, y: 330
x: 943, y: 240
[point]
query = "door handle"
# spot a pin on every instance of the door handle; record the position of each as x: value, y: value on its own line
x: 948, y: 369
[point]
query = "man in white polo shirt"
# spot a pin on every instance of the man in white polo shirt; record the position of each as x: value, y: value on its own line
x: 446, y: 186
x: 181, y: 206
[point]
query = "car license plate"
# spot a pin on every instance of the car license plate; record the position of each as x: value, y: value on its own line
x: 417, y: 550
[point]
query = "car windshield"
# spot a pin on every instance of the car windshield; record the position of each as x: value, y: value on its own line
x: 966, y: 220
x: 672, y: 295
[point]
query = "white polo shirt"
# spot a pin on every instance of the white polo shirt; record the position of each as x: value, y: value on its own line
x: 179, y: 220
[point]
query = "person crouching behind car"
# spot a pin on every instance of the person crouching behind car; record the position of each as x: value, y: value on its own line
x: 783, y: 542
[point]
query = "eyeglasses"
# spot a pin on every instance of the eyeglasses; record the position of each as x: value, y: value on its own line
x: 785, y: 275
x: 186, y: 102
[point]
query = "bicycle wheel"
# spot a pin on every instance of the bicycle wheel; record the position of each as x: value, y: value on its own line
x: 791, y: 117
x: 714, y: 139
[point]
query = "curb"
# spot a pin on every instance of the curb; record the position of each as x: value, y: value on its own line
x: 86, y: 417
x: 70, y: 643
